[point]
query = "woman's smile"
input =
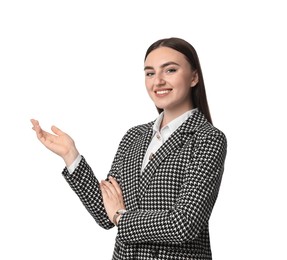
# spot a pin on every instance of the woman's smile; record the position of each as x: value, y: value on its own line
x: 162, y: 92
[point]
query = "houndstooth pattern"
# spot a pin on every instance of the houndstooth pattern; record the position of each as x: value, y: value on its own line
x: 169, y: 204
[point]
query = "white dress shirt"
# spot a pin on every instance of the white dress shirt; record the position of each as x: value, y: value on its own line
x: 159, y: 137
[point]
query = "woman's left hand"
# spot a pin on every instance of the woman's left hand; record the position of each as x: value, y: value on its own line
x: 112, y: 197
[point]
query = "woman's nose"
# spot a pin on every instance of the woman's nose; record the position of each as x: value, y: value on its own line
x: 159, y: 80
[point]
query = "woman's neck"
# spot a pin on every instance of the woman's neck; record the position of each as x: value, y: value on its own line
x: 168, y: 116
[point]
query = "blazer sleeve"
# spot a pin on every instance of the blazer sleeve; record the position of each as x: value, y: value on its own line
x: 192, y: 210
x: 86, y: 185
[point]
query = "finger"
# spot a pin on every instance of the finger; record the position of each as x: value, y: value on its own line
x: 110, y: 187
x: 116, y: 185
x: 36, y: 126
x: 108, y: 192
x: 57, y: 131
x: 34, y: 122
x: 103, y: 190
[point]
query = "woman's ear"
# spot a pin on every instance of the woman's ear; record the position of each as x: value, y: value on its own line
x: 194, y: 80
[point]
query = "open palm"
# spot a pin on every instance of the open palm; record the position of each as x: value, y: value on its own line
x: 60, y: 143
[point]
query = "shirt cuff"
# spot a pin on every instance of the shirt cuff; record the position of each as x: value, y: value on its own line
x: 74, y: 165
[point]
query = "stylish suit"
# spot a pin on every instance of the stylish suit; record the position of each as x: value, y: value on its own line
x: 170, y: 202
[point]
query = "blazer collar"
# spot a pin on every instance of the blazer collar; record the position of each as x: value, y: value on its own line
x: 192, y: 124
x: 174, y: 142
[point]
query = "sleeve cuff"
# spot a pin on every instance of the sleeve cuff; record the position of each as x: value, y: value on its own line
x: 74, y: 165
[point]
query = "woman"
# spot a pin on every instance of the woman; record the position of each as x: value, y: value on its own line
x: 166, y: 174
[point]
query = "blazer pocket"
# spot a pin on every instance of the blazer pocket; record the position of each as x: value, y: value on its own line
x: 119, y: 250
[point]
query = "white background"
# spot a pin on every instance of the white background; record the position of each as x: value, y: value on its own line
x: 79, y: 65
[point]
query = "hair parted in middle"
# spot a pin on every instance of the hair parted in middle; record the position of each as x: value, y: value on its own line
x: 198, y: 93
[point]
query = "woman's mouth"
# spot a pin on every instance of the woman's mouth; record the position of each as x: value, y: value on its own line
x: 162, y: 92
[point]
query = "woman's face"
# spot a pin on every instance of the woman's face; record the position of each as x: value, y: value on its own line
x: 169, y: 79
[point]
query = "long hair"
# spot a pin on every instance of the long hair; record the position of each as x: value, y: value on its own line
x: 198, y: 94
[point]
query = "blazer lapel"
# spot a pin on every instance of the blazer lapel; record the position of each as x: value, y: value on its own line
x: 132, y: 167
x: 174, y: 142
x: 171, y: 144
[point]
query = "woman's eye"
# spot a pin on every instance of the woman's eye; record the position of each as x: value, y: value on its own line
x: 149, y: 74
x: 171, y: 70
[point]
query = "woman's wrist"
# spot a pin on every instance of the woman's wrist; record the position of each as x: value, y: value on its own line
x: 118, y: 219
x: 70, y: 157
x: 118, y: 215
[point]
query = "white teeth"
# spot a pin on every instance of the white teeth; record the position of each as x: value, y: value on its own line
x: 160, y: 92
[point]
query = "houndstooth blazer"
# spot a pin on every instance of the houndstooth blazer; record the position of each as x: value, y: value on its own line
x: 169, y: 204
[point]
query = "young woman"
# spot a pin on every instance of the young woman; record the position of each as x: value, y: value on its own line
x: 166, y: 174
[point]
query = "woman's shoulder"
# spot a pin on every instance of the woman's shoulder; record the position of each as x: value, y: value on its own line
x: 208, y: 129
x: 142, y: 128
x: 135, y: 131
x: 198, y: 124
x: 208, y: 133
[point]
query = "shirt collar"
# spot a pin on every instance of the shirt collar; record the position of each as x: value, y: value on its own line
x: 174, y: 124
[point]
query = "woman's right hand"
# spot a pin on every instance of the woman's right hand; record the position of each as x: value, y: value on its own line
x: 60, y: 143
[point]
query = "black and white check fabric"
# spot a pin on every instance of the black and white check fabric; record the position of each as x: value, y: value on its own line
x: 169, y: 204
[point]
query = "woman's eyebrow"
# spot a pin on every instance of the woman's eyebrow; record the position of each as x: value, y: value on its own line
x: 162, y: 66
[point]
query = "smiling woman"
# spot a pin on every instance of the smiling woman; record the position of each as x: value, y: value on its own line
x: 169, y: 81
x: 184, y: 51
x: 166, y: 174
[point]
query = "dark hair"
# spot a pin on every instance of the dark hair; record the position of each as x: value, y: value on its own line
x: 198, y: 95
